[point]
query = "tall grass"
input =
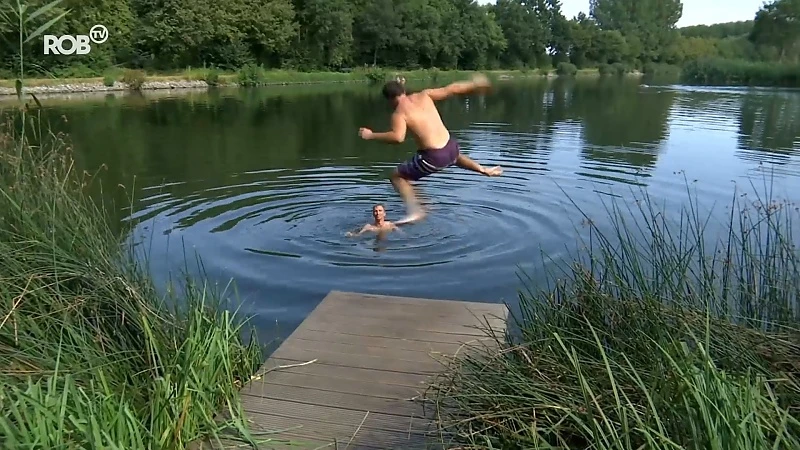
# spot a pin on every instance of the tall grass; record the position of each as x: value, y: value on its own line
x: 720, y: 71
x: 91, y: 356
x: 661, y: 335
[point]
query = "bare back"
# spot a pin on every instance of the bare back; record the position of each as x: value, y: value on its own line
x: 423, y: 120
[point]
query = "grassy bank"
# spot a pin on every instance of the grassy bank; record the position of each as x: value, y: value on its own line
x: 92, y: 356
x: 257, y: 76
x: 741, y: 73
x: 660, y: 336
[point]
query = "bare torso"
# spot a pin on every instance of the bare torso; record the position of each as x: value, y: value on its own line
x: 384, y: 227
x: 423, y: 121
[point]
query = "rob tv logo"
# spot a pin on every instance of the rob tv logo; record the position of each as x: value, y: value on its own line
x: 69, y: 44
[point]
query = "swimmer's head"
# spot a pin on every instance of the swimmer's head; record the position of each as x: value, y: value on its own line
x: 393, y: 90
x: 379, y: 213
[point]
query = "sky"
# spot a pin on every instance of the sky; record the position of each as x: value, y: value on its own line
x: 695, y: 12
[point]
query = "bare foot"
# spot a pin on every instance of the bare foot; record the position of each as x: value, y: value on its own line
x: 413, y: 216
x: 493, y: 172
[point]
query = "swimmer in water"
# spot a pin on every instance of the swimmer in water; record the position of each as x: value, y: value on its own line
x: 437, y: 149
x: 380, y: 225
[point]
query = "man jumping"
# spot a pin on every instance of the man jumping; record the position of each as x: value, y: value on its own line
x: 437, y: 149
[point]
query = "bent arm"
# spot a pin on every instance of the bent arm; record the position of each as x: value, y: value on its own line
x: 360, y: 232
x: 397, y: 134
x: 458, y: 88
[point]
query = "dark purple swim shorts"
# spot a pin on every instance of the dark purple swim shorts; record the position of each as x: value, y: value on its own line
x: 429, y: 161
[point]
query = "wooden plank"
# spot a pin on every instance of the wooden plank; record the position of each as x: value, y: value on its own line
x: 312, y: 337
x: 355, y: 369
x: 311, y: 396
x: 350, y: 373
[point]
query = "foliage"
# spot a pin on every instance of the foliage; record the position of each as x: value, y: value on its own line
x: 661, y: 336
x: 717, y: 71
x: 212, y: 77
x: 567, y: 69
x: 134, y: 79
x: 92, y: 355
x: 339, y: 35
x: 616, y: 69
x: 84, y: 332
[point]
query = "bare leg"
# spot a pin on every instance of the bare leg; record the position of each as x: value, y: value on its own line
x: 467, y: 163
x: 406, y: 191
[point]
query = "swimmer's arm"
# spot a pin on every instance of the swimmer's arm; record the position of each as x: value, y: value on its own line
x: 359, y: 232
x: 458, y: 88
x: 396, y: 135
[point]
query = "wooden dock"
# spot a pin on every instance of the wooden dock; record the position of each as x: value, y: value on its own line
x: 350, y: 375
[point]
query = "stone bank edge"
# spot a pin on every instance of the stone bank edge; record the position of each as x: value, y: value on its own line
x: 98, y: 86
x: 78, y: 86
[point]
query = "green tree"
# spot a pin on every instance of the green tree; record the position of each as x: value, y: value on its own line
x: 482, y: 36
x: 377, y: 27
x: 718, y: 30
x: 525, y: 28
x: 325, y: 38
x: 560, y: 33
x: 649, y: 25
x: 226, y: 33
x: 583, y: 31
x: 777, y: 25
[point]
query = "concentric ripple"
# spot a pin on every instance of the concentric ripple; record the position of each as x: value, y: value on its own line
x: 279, y: 232
x: 288, y: 227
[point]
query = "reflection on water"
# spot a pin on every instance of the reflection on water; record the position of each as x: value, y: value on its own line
x: 263, y: 184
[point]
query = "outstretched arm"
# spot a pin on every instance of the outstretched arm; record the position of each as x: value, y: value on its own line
x: 361, y: 231
x: 394, y: 136
x: 478, y: 82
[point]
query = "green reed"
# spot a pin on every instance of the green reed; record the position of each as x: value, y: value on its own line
x: 720, y: 71
x: 92, y: 355
x: 662, y: 334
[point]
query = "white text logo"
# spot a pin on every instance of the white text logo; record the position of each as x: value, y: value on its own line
x: 69, y: 44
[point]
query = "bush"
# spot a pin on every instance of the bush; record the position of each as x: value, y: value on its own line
x: 134, y: 78
x: 251, y: 75
x: 376, y: 74
x: 566, y: 69
x: 605, y: 69
x: 661, y: 69
x: 109, y: 80
x: 212, y: 77
x: 616, y: 69
x: 619, y: 69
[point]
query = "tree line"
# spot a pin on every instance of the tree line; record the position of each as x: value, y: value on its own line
x: 312, y: 35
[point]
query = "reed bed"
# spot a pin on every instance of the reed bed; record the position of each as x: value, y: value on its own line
x: 663, y: 334
x: 91, y: 355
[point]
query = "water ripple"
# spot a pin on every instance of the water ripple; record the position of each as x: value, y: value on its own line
x: 299, y: 218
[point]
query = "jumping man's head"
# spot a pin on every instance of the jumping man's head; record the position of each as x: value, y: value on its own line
x: 394, y: 90
x: 379, y: 213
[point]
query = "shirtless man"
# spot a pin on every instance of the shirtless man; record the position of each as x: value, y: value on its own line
x: 381, y: 225
x: 437, y: 150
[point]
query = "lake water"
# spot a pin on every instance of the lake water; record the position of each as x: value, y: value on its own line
x: 263, y: 184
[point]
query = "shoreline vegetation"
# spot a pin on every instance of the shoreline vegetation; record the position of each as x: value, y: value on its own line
x: 709, y: 72
x: 657, y: 336
x: 135, y: 80
x: 284, y: 41
x: 93, y: 355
